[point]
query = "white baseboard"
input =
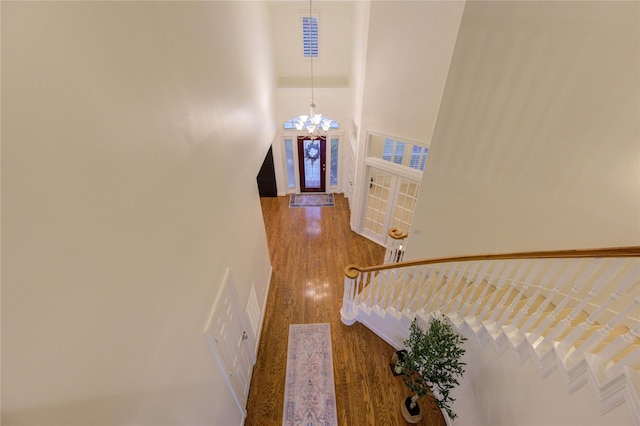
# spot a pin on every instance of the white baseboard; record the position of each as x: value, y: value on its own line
x: 264, y: 308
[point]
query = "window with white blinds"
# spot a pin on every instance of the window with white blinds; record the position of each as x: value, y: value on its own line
x: 403, y: 153
x: 310, y: 36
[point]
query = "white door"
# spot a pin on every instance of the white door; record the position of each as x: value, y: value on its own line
x: 228, y: 339
x: 390, y: 202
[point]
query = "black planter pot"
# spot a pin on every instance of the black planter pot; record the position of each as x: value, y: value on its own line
x: 397, y: 356
x: 411, y: 415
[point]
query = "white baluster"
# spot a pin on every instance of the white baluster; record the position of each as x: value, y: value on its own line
x: 362, y: 283
x: 587, y: 274
x: 429, y: 287
x: 380, y: 278
x: 486, y: 277
x: 599, y: 336
x: 402, y: 247
x: 515, y: 283
x: 388, y: 284
x: 540, y: 268
x: 618, y: 345
x: 390, y: 254
x: 504, y: 277
x: 613, y: 269
x: 396, y: 246
x: 468, y: 305
x: 383, y: 283
x: 498, y: 286
x: 418, y: 276
x: 375, y: 287
x: 602, y: 281
x: 458, y: 284
x: 632, y: 359
x: 420, y: 284
x: 411, y: 288
x: 522, y: 271
x: 568, y: 271
x: 393, y: 278
x: 369, y: 285
x: 548, y: 277
x: 399, y: 298
x: 469, y: 280
x: 438, y: 282
x: 445, y: 285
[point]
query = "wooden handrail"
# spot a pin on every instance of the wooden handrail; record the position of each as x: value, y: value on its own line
x: 397, y: 233
x: 352, y: 271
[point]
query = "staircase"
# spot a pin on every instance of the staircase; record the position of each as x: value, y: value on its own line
x: 575, y: 311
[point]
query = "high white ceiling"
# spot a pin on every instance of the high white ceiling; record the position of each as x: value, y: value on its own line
x: 331, y: 68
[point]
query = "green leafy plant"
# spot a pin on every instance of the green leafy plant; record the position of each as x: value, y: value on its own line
x: 433, y: 363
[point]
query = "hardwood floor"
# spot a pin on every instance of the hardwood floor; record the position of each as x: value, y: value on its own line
x: 309, y: 249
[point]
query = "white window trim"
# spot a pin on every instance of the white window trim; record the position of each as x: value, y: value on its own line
x: 339, y: 188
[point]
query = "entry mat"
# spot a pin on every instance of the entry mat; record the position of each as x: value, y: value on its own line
x: 311, y: 200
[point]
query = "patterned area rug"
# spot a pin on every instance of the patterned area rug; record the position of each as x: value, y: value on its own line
x: 309, y: 393
x: 311, y: 200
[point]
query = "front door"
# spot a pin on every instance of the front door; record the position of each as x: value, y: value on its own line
x: 312, y: 163
x: 228, y: 340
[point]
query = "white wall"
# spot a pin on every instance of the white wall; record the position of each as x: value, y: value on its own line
x: 537, y: 140
x: 409, y: 49
x: 496, y: 391
x: 535, y: 147
x: 132, y: 136
x: 360, y: 32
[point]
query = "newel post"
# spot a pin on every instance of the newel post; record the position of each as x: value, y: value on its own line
x: 348, y: 311
x: 396, y: 246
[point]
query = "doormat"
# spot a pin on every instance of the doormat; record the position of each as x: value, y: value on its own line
x: 309, y: 392
x: 311, y: 200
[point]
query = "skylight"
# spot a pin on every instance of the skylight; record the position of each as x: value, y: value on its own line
x: 310, y: 36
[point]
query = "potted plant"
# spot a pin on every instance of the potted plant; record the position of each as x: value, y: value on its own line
x: 397, y: 356
x: 431, y: 365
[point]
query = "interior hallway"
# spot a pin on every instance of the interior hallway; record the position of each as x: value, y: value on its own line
x: 309, y: 248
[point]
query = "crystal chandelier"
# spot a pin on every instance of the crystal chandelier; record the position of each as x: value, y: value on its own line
x: 314, y: 125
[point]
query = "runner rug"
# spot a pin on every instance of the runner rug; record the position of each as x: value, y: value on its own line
x: 311, y: 200
x: 309, y: 392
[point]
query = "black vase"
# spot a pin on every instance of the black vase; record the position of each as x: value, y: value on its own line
x: 397, y: 356
x: 413, y: 411
x: 411, y: 415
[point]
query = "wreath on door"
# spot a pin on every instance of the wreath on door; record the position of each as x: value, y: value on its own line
x: 312, y: 152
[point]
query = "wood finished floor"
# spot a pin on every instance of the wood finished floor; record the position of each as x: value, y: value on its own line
x: 309, y: 248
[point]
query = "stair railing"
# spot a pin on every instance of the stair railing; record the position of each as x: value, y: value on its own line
x: 396, y: 245
x: 572, y: 303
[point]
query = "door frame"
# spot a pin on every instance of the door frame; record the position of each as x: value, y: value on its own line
x: 323, y: 163
x: 397, y: 172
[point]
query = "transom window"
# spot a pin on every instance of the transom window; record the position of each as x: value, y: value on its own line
x: 291, y: 124
x: 398, y: 152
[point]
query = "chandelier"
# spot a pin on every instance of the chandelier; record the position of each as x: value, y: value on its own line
x: 314, y: 125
